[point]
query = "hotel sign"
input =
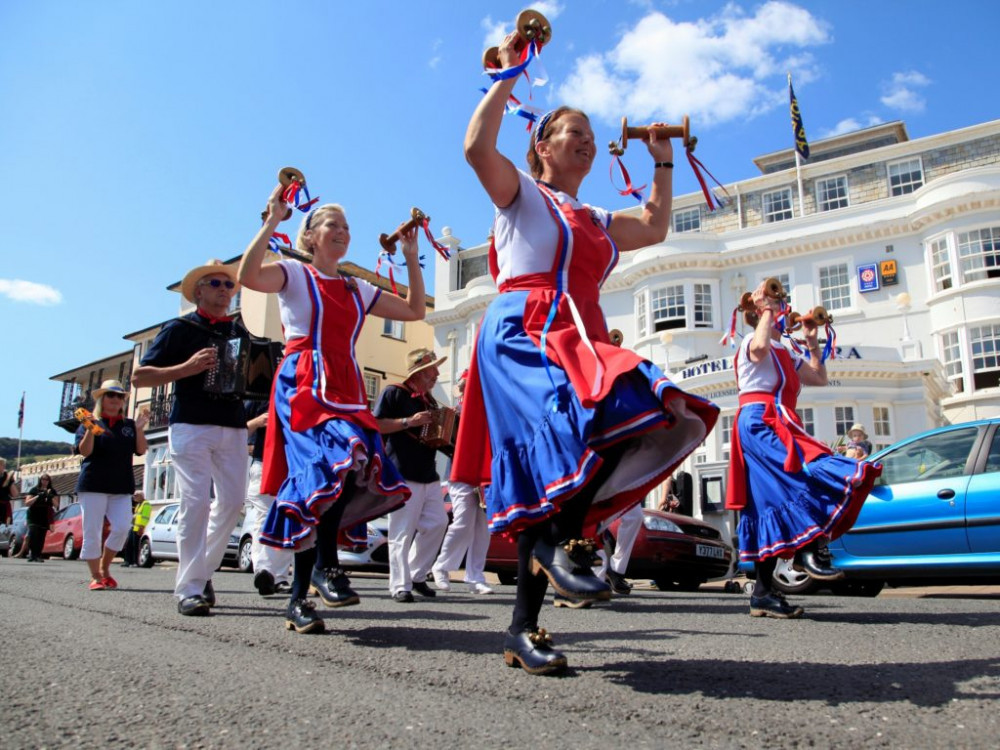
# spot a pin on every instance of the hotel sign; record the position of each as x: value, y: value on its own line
x: 726, y: 363
x: 868, y: 278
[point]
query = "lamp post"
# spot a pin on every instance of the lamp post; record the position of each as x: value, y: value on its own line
x: 909, y: 348
x: 903, y: 303
x: 666, y: 338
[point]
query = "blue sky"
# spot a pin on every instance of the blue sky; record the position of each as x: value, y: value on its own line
x: 140, y: 139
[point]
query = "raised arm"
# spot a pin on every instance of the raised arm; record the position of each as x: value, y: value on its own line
x: 651, y: 226
x: 252, y: 273
x: 496, y: 172
x: 414, y: 306
x: 813, y: 371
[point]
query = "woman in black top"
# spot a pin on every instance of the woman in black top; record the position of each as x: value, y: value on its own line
x: 106, y: 481
x: 41, y: 503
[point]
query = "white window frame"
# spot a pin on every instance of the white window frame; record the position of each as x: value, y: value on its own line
x: 687, y: 220
x: 726, y: 424
x: 371, y: 381
x: 670, y: 296
x: 974, y: 264
x: 841, y: 200
x: 988, y: 358
x: 950, y: 347
x: 904, y: 188
x: 641, y: 308
x: 700, y: 307
x: 771, y: 217
x: 645, y: 320
x: 841, y: 422
x: 808, y: 416
x: 882, y: 427
x: 830, y: 263
x: 939, y: 260
x: 393, y: 329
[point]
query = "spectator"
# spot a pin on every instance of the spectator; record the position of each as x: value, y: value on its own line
x: 857, y: 445
x: 8, y: 491
x: 40, y: 502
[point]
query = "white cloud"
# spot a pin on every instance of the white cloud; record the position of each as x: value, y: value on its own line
x: 29, y: 291
x: 715, y: 69
x: 436, y: 58
x: 900, y: 92
x: 849, y: 125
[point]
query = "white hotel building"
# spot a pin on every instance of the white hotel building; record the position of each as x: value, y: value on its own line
x: 898, y: 238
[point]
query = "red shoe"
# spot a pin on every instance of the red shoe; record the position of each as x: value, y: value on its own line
x: 109, y: 582
x: 97, y: 586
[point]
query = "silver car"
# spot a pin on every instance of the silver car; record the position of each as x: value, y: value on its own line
x: 159, y: 540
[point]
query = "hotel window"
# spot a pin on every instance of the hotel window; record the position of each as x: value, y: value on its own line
x: 702, y: 306
x: 984, y: 342
x: 951, y: 356
x: 941, y: 264
x: 835, y: 287
x: 905, y: 177
x: 234, y: 303
x: 667, y: 305
x: 777, y: 205
x: 371, y: 388
x: 687, y: 221
x: 979, y: 254
x: 727, y: 430
x: 785, y: 280
x: 640, y: 314
x: 843, y: 418
x: 831, y: 193
x: 393, y: 329
x: 881, y: 428
x: 808, y: 420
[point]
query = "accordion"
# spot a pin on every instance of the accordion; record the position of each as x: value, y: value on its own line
x: 440, y: 432
x: 244, y: 368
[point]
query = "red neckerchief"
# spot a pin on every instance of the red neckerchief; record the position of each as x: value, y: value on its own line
x: 212, y: 319
x: 113, y: 420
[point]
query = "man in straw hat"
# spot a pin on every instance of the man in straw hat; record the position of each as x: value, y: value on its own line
x: 416, y: 529
x: 208, y: 434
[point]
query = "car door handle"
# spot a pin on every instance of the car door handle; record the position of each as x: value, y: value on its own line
x: 946, y: 494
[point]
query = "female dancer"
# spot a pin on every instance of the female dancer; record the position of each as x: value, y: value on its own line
x: 106, y: 480
x: 793, y: 491
x: 566, y: 428
x: 323, y: 457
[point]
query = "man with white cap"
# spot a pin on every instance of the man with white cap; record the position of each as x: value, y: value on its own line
x: 416, y: 529
x: 207, y: 428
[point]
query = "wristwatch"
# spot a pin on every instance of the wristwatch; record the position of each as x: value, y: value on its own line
x: 406, y: 422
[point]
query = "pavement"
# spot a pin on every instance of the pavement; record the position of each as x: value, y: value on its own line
x: 654, y: 669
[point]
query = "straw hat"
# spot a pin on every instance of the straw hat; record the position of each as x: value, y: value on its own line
x: 858, y: 428
x: 109, y: 386
x: 421, y: 359
x: 211, y: 268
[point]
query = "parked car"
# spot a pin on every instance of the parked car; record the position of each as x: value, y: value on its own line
x: 932, y: 517
x: 673, y: 550
x: 13, y: 534
x: 65, y: 534
x: 159, y: 540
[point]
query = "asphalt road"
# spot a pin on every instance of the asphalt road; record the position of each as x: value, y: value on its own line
x: 122, y: 668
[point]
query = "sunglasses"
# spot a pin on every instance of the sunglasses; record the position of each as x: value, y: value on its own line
x: 216, y: 283
x: 112, y: 394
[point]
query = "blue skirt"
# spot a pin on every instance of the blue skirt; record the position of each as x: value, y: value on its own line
x: 320, y: 461
x: 786, y: 511
x: 545, y: 443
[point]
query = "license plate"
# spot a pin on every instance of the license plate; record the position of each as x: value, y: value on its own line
x: 704, y: 550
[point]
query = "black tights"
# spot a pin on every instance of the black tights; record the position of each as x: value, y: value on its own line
x: 765, y: 576
x: 324, y: 553
x: 35, y: 541
x: 566, y: 524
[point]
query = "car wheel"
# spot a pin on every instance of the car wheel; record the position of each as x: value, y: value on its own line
x: 788, y: 580
x: 145, y: 554
x: 245, y: 559
x: 664, y: 584
x: 70, y: 552
x: 507, y: 578
x: 688, y: 584
x: 858, y: 588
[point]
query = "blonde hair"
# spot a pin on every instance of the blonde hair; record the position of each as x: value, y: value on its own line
x: 99, y: 406
x: 545, y: 125
x: 309, y: 222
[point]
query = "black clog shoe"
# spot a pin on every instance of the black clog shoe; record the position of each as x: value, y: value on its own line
x: 774, y: 605
x: 809, y: 562
x: 302, y: 618
x: 532, y: 651
x: 333, y: 587
x: 568, y: 570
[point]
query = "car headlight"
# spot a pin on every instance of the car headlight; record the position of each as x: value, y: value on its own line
x: 234, y: 539
x: 655, y: 523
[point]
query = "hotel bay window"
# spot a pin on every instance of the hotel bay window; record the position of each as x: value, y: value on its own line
x: 958, y: 258
x: 971, y: 356
x: 685, y: 305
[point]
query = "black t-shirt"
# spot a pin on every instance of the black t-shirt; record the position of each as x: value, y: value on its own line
x: 40, y: 510
x: 174, y: 345
x: 253, y: 410
x: 6, y: 483
x: 415, y: 461
x: 108, y: 468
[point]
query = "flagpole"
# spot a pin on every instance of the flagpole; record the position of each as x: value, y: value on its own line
x: 20, y: 433
x: 798, y: 178
x: 801, y: 144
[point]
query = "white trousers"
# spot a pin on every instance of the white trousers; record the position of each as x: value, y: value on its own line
x: 415, y: 534
x: 468, y: 535
x: 628, y: 532
x: 275, y: 561
x: 203, y: 454
x: 97, y: 506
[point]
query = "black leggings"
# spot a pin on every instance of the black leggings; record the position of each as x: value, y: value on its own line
x: 765, y: 576
x: 36, y: 540
x: 566, y: 524
x: 324, y: 553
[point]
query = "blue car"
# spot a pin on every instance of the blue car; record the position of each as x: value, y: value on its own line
x: 932, y: 517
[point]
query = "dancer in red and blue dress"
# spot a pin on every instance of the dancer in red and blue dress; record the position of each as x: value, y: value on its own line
x: 794, y: 493
x: 323, y: 458
x: 565, y: 428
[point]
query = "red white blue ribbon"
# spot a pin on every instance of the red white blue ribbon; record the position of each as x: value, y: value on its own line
x: 293, y: 194
x: 273, y: 245
x: 531, y: 52
x: 730, y: 335
x: 629, y: 188
x: 697, y: 167
x: 442, y: 250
